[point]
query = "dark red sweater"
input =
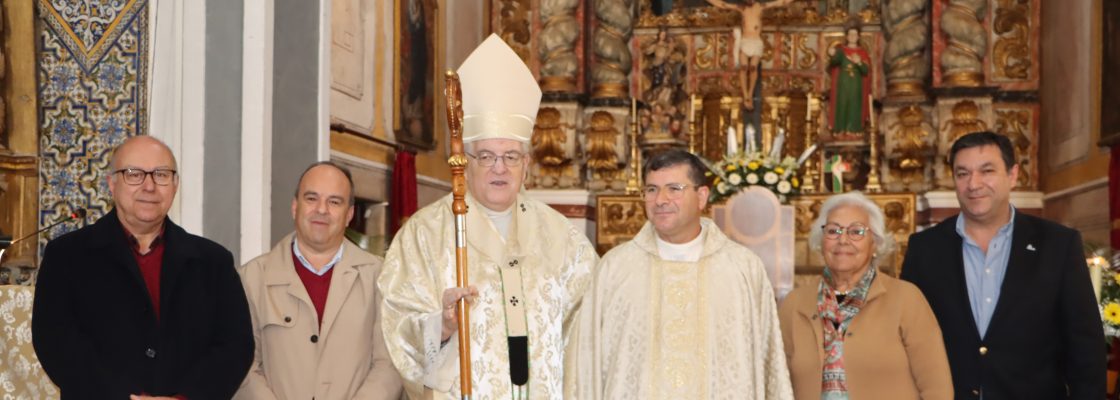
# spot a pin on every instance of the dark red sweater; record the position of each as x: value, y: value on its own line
x: 316, y: 286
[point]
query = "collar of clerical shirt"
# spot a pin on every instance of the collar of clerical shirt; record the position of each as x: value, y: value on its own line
x: 500, y: 219
x: 684, y: 252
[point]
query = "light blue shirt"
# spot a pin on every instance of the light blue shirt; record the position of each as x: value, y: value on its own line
x: 983, y: 273
x: 307, y: 264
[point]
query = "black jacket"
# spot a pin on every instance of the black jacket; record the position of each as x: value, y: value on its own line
x: 97, y: 336
x: 1045, y: 339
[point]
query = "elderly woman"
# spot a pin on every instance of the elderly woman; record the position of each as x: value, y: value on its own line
x: 858, y: 333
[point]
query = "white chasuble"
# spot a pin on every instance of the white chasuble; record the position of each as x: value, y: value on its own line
x: 555, y: 262
x: 656, y: 329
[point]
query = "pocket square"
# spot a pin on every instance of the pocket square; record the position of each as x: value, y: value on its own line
x: 1030, y: 247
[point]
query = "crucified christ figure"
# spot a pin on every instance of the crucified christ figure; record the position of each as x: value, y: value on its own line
x: 748, y: 42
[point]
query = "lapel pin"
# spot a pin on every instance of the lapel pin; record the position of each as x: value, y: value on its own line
x: 1030, y: 247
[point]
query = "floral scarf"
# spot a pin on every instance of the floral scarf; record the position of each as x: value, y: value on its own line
x: 835, y: 317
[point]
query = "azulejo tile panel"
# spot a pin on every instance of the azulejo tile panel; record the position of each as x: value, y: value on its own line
x: 92, y: 95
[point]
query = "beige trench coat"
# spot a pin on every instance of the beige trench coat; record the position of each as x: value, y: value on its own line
x: 294, y: 358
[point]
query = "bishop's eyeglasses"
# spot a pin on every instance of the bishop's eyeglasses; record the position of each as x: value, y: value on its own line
x: 488, y: 159
x: 856, y: 232
x: 136, y: 176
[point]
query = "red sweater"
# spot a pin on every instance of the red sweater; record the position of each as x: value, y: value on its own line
x: 317, y: 286
x: 150, y: 265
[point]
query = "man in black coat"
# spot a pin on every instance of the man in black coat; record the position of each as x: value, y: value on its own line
x: 133, y: 305
x: 1011, y: 291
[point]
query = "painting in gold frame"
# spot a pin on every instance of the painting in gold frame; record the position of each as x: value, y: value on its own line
x: 415, y: 64
x: 1110, y: 80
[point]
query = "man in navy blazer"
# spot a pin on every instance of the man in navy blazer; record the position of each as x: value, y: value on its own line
x: 133, y: 305
x: 1011, y: 291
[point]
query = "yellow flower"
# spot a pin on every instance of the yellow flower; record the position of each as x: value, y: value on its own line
x: 1116, y: 277
x: 1112, y: 313
x: 729, y: 167
x: 716, y: 181
x: 779, y: 170
x: 753, y: 165
x: 796, y: 183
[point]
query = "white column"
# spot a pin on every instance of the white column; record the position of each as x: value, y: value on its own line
x: 323, y: 152
x: 177, y: 89
x: 256, y: 129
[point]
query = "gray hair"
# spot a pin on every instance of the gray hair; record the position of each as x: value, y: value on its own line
x: 884, y: 244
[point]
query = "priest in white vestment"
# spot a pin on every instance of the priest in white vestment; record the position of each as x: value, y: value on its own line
x: 528, y: 266
x: 681, y: 311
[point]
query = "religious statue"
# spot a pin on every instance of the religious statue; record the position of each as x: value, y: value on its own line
x: 850, y: 68
x: 660, y: 124
x: 966, y: 119
x: 665, y: 69
x: 602, y: 154
x: 748, y: 43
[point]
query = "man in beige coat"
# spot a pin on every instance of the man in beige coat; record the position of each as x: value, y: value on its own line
x: 315, y: 304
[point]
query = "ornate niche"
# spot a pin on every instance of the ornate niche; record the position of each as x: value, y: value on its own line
x: 620, y: 217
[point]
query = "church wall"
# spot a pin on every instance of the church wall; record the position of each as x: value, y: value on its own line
x: 1075, y: 170
x: 222, y: 158
x: 295, y: 99
x: 370, y: 155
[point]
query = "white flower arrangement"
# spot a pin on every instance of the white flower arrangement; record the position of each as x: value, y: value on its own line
x: 739, y: 171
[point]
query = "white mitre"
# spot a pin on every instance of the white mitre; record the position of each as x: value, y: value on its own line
x: 500, y: 95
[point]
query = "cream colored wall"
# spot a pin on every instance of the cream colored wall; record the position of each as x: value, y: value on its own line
x: 1070, y: 94
x: 461, y: 27
x: 1074, y: 174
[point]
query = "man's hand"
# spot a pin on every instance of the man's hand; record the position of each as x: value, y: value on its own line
x: 451, y: 297
x: 831, y: 51
x: 855, y: 58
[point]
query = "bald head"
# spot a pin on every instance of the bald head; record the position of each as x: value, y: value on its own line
x: 141, y: 144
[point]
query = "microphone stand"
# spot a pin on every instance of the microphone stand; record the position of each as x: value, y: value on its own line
x: 6, y: 241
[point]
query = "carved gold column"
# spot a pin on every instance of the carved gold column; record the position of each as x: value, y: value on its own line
x: 610, y: 65
x: 965, y: 42
x: 558, y: 36
x: 19, y: 145
x: 906, y: 29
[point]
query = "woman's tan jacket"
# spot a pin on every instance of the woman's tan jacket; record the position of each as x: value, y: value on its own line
x: 893, y: 348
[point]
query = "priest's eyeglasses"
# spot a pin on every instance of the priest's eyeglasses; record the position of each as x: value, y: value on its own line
x: 856, y: 232
x: 674, y: 191
x: 136, y: 176
x: 488, y: 159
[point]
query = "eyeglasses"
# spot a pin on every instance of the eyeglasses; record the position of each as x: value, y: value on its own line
x: 674, y: 191
x: 135, y: 176
x: 856, y: 232
x: 488, y: 159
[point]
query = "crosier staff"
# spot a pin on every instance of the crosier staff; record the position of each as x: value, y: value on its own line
x: 458, y: 162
